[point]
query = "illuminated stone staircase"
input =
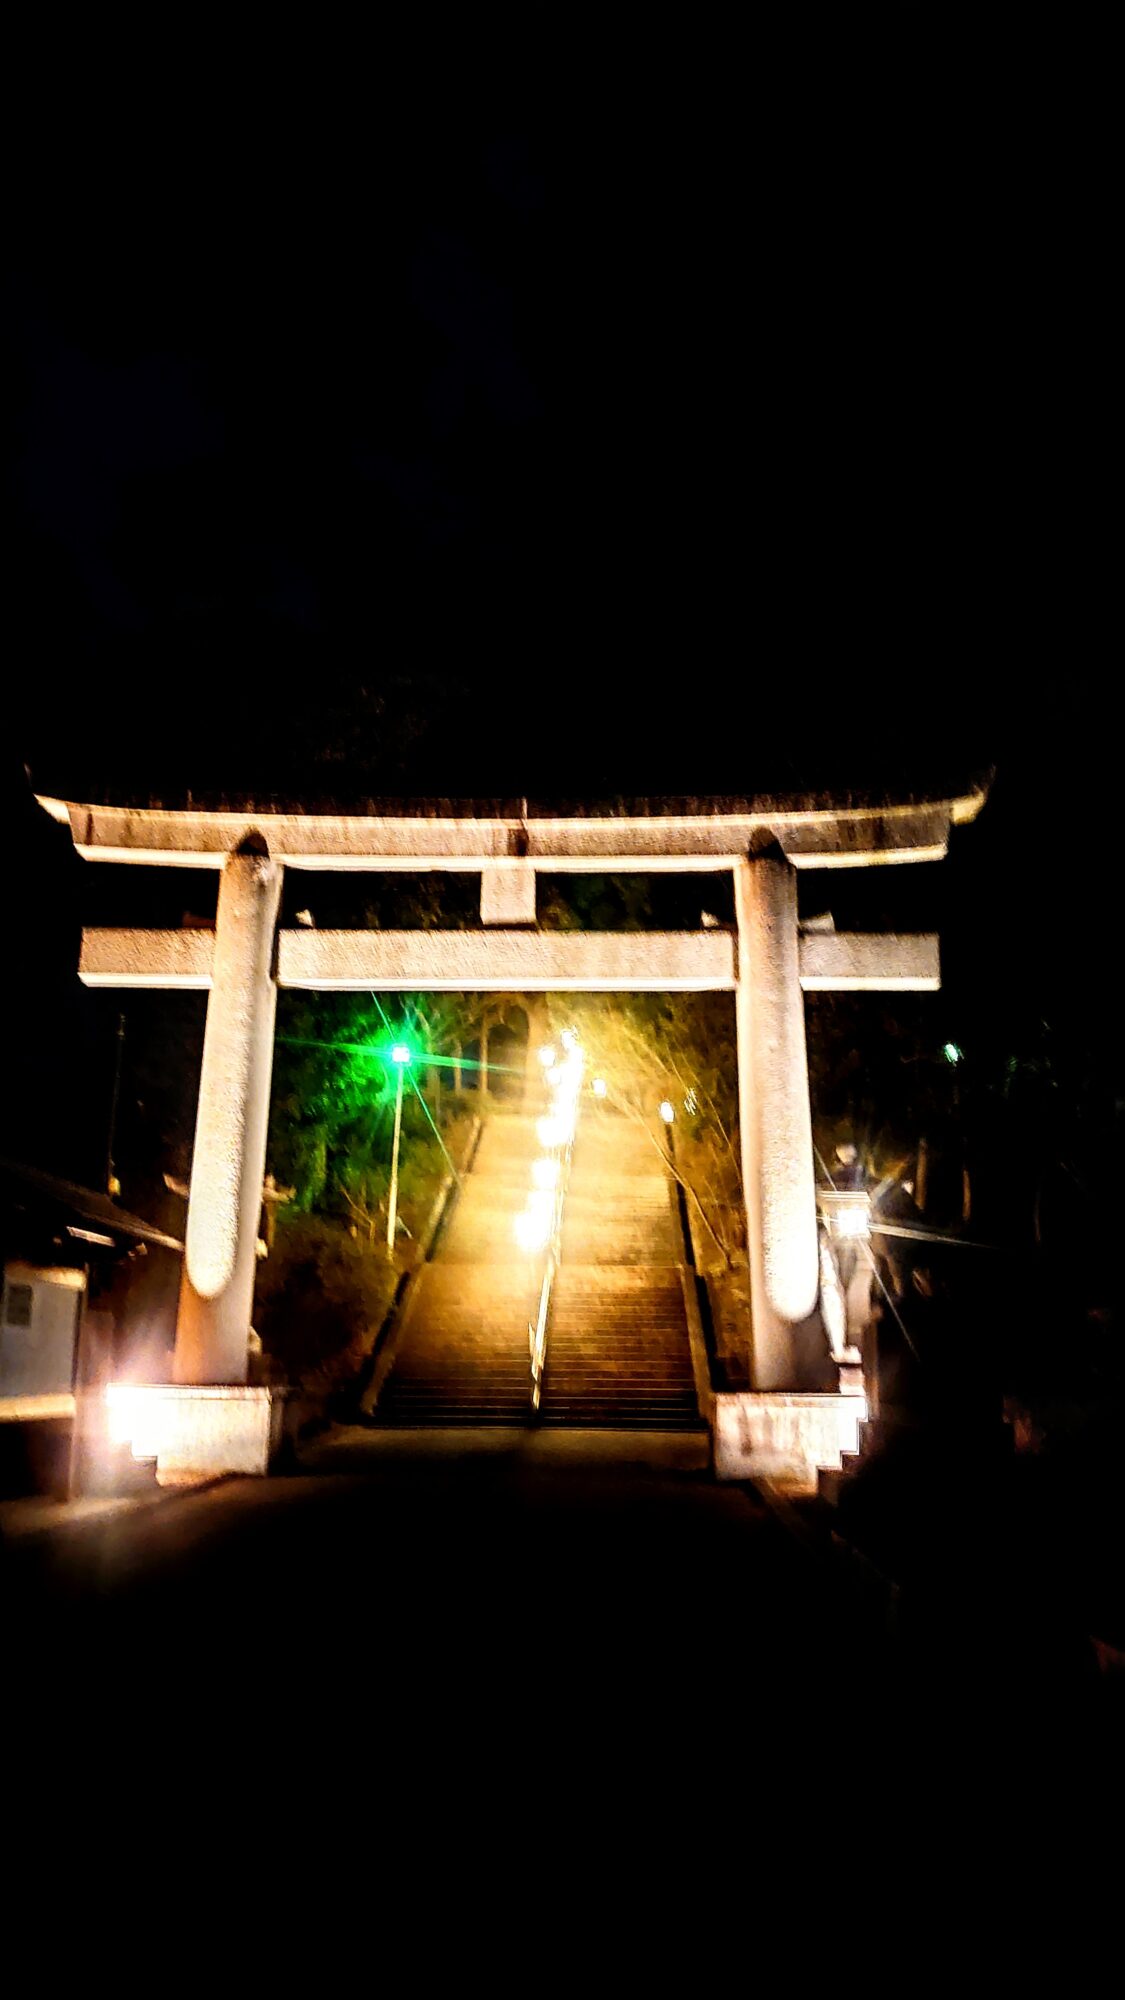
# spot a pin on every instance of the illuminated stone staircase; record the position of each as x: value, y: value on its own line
x: 618, y: 1352
x: 461, y: 1354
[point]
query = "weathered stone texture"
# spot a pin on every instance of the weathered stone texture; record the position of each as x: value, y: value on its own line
x: 508, y: 961
x: 822, y: 836
x: 783, y: 1437
x: 860, y: 962
x: 507, y: 893
x: 230, y: 1136
x: 776, y: 1125
x: 146, y: 958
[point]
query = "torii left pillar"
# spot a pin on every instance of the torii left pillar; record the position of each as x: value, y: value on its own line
x: 228, y: 1162
x: 776, y: 1126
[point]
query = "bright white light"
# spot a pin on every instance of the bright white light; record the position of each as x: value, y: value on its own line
x: 138, y: 1418
x: 553, y: 1131
x: 400, y: 1054
x: 599, y: 1086
x: 122, y: 1407
x: 853, y: 1221
x: 569, y: 1038
x: 547, y: 1055
x: 667, y: 1110
x: 545, y: 1173
x: 532, y: 1230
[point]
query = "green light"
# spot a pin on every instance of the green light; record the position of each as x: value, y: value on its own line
x: 401, y: 1054
x: 952, y: 1053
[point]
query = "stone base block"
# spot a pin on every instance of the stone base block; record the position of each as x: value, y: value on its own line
x: 194, y: 1432
x: 784, y: 1437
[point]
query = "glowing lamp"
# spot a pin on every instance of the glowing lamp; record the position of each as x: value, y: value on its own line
x: 599, y: 1086
x: 667, y: 1110
x: 547, y: 1056
x: 846, y: 1211
x: 532, y: 1229
x: 138, y: 1418
x: 401, y: 1054
x: 855, y: 1222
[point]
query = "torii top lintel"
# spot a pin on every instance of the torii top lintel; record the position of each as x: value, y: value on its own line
x: 813, y: 832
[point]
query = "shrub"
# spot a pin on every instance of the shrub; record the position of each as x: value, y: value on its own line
x: 321, y: 1298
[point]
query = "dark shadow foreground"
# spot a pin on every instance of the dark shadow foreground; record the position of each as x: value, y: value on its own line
x: 489, y: 1664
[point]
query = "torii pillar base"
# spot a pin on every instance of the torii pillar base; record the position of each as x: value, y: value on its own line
x: 197, y: 1431
x: 785, y: 1439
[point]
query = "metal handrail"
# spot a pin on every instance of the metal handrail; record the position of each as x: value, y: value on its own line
x: 537, y: 1332
x: 537, y: 1328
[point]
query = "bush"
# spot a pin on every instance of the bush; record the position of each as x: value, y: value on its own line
x: 321, y: 1299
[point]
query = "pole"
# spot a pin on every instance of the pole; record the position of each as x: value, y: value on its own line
x: 392, y: 1206
x: 111, y: 1183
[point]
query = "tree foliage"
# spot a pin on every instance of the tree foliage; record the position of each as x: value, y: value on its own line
x: 678, y: 1047
x: 321, y: 1299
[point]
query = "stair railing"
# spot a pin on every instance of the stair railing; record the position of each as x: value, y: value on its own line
x: 563, y: 1121
x: 537, y: 1332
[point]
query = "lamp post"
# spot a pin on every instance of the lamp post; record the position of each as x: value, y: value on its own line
x: 400, y: 1056
x: 112, y: 1184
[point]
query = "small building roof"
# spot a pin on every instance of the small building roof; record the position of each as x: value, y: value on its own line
x: 74, y: 1208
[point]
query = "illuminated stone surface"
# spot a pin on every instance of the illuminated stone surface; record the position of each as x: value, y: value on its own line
x: 22, y: 1409
x: 507, y: 893
x: 835, y: 962
x: 783, y: 1437
x: 196, y: 1431
x: 775, y: 1120
x: 813, y: 837
x: 508, y: 961
x: 228, y: 1162
x: 857, y: 962
x: 146, y: 958
x: 861, y: 841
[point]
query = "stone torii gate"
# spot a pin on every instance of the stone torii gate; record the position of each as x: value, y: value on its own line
x: 767, y: 964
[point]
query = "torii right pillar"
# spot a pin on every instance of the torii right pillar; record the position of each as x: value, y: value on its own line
x: 789, y: 1346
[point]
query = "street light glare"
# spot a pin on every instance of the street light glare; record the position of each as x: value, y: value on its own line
x: 532, y: 1229
x: 667, y: 1110
x: 599, y: 1086
x: 401, y: 1053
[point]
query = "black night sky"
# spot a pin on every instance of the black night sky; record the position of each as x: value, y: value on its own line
x: 734, y: 428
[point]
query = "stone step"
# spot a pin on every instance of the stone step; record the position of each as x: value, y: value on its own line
x: 831, y: 1479
x: 606, y: 1332
x: 610, y: 1388
x: 663, y: 1279
x: 611, y: 1417
x: 618, y: 1352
